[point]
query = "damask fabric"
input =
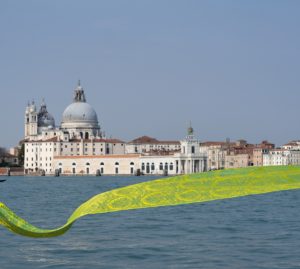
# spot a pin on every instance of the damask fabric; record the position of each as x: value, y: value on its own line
x: 204, y: 187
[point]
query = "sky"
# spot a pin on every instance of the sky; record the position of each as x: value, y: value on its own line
x: 151, y: 67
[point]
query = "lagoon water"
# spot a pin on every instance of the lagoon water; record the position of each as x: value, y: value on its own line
x: 260, y: 231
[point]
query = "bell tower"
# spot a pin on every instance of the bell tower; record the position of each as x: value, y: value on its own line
x: 31, y: 120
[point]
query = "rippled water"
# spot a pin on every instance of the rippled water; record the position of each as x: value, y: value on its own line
x: 250, y: 232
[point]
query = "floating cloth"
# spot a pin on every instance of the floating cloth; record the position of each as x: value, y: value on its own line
x: 196, y: 188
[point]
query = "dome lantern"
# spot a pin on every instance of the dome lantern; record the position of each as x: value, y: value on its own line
x: 80, y: 115
x: 79, y: 95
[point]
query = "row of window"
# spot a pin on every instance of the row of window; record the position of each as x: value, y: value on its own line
x: 148, y: 167
x: 32, y: 164
x: 101, y: 164
x: 101, y: 170
x: 27, y: 159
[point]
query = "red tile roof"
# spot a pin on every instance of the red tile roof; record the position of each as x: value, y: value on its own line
x: 151, y: 140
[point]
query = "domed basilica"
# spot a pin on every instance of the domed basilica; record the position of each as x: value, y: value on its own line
x: 77, y: 146
x: 79, y: 120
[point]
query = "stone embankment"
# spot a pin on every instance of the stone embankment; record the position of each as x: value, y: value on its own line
x: 13, y: 171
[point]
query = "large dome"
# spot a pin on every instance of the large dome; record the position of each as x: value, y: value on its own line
x: 79, y: 114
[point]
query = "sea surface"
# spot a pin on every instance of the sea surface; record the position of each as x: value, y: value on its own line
x: 261, y: 231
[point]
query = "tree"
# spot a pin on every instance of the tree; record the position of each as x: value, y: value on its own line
x: 21, y: 154
x: 2, y: 152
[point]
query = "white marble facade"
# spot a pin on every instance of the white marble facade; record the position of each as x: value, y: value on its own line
x: 77, y: 146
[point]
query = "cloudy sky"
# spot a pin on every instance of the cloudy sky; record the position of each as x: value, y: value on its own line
x: 150, y: 67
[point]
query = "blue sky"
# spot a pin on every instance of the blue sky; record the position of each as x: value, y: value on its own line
x: 150, y: 67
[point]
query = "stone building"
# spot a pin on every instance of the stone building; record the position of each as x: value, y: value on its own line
x: 281, y: 156
x: 78, y: 147
x: 78, y: 135
x: 236, y: 154
x: 292, y: 145
x: 276, y: 157
x: 146, y: 144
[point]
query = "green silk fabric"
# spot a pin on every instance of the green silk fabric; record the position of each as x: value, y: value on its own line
x: 186, y: 189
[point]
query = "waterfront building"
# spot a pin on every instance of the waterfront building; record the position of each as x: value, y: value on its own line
x: 186, y: 161
x: 146, y: 144
x: 260, y: 150
x: 78, y: 135
x: 233, y: 160
x: 215, y: 152
x: 292, y: 145
x: 78, y: 146
x: 281, y: 156
x: 277, y: 156
x: 124, y: 164
x: 226, y: 154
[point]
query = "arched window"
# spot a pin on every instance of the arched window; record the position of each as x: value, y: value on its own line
x: 102, y: 163
x: 152, y: 167
x: 87, y: 164
x: 86, y: 135
x: 116, y: 163
x: 60, y: 164
x: 81, y: 134
x: 161, y: 166
x: 193, y: 149
x: 166, y: 166
x: 171, y: 166
x: 132, y: 163
x: 74, y: 164
x: 143, y: 166
x: 148, y: 168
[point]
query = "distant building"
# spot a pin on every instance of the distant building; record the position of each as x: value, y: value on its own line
x: 281, y: 156
x: 276, y: 157
x: 78, y: 146
x: 8, y: 159
x: 215, y: 152
x: 237, y: 154
x: 233, y: 160
x: 292, y: 145
x: 146, y: 144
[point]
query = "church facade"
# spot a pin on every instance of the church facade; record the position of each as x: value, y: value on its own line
x: 78, y: 146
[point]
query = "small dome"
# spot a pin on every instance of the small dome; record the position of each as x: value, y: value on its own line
x: 45, y: 119
x: 190, y: 131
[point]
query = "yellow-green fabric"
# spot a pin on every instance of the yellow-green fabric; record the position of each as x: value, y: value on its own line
x: 196, y: 188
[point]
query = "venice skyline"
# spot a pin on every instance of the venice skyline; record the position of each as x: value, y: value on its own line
x: 229, y: 68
